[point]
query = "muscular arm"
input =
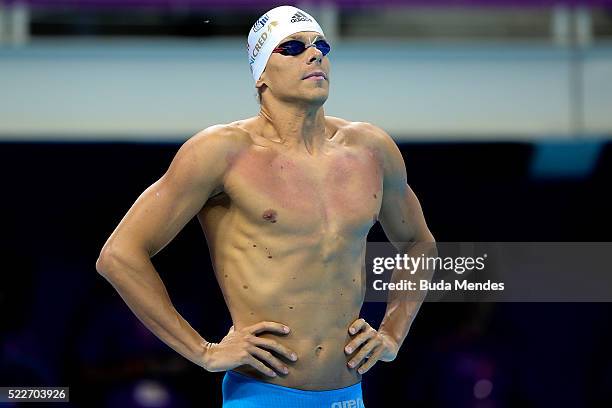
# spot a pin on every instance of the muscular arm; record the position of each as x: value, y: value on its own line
x: 402, y: 219
x: 156, y: 217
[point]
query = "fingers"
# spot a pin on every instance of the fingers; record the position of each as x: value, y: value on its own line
x: 371, y: 346
x: 359, y: 340
x: 273, y: 327
x: 357, y: 325
x: 257, y: 348
x: 274, y: 346
x: 373, y: 359
x: 363, y: 353
x: 259, y: 366
x: 267, y: 357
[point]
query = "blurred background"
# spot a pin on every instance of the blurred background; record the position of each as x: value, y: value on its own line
x: 502, y: 109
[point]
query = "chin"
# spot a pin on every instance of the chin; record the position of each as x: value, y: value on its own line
x: 320, y: 99
x: 317, y: 97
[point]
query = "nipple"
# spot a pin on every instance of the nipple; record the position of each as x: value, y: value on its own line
x: 269, y: 215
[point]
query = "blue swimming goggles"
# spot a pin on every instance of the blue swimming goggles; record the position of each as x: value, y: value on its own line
x: 296, y: 47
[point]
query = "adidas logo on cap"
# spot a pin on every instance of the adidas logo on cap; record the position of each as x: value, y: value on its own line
x: 299, y: 16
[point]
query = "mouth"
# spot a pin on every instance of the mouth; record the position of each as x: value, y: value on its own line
x: 316, y: 76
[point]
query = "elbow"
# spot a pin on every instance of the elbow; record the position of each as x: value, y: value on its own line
x: 103, y: 262
x: 428, y: 237
x: 424, y: 242
x: 421, y: 237
x: 107, y: 261
x: 114, y: 258
x: 430, y: 242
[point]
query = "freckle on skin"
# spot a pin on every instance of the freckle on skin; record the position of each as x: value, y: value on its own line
x: 375, y: 196
x: 403, y: 222
x: 254, y: 246
x: 269, y: 256
x: 353, y: 280
x: 291, y: 307
x: 245, y: 286
x: 226, y: 275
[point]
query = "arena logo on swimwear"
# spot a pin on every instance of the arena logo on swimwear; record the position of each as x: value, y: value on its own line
x: 260, y: 23
x: 260, y: 42
x: 352, y: 403
x: 299, y: 16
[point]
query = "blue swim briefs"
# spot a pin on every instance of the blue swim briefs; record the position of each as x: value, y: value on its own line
x: 240, y: 391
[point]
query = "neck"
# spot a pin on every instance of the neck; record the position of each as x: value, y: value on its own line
x: 294, y: 125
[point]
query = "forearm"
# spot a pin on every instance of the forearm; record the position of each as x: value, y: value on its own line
x: 140, y: 286
x: 403, y: 306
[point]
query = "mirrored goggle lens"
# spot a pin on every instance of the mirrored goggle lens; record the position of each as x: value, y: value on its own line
x: 295, y: 47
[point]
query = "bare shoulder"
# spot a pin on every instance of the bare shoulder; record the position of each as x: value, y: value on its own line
x: 336, y: 123
x: 204, y: 158
x: 221, y: 138
x: 364, y: 133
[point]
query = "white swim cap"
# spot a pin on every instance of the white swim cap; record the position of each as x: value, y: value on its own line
x: 270, y: 29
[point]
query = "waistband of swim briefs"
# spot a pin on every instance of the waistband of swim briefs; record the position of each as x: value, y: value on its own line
x: 238, y: 386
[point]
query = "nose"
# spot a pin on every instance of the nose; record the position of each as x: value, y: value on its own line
x: 317, y: 56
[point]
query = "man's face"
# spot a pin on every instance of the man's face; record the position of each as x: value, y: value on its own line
x: 285, y: 75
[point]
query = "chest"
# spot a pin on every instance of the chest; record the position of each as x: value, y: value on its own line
x: 341, y: 190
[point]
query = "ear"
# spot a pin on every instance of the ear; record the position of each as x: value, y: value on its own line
x: 261, y: 82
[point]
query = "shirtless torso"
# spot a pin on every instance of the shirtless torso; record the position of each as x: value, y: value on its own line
x: 287, y: 235
x: 286, y: 226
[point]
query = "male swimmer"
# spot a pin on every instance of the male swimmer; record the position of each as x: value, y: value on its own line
x: 285, y: 200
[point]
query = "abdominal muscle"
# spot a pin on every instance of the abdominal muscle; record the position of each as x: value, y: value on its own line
x: 317, y: 300
x: 319, y: 332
